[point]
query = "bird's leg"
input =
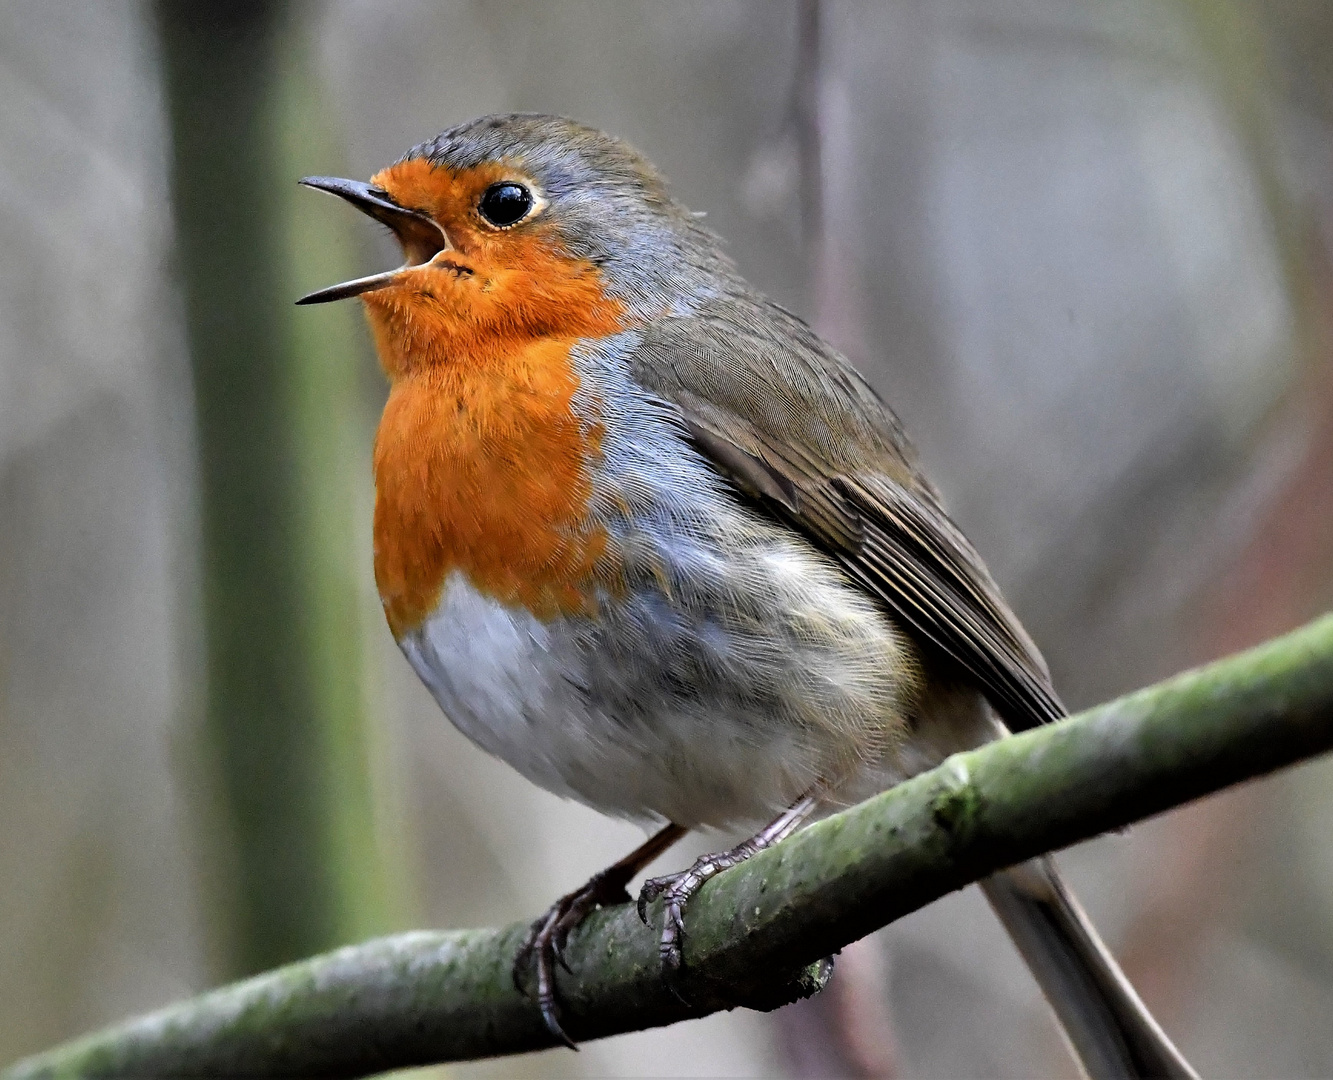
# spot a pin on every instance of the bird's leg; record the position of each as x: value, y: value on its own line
x: 546, y: 939
x: 679, y: 887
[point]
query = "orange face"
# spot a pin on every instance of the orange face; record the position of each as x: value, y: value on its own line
x: 481, y: 463
x: 493, y: 289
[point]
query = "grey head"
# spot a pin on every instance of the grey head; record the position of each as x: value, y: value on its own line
x: 608, y: 203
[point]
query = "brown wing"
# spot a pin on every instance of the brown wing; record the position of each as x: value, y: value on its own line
x: 789, y: 421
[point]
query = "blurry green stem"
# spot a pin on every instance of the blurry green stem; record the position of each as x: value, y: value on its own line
x: 756, y: 934
x: 298, y: 869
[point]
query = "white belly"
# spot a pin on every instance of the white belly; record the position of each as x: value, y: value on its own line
x: 664, y: 710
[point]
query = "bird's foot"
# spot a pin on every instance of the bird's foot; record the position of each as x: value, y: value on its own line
x: 546, y: 939
x: 676, y: 891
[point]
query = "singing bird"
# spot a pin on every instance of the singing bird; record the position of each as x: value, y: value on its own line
x: 653, y: 542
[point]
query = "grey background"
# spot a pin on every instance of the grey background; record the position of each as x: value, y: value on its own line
x: 1080, y: 244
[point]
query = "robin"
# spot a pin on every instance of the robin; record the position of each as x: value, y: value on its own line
x: 651, y: 541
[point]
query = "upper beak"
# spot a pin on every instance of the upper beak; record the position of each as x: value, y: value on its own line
x: 422, y: 238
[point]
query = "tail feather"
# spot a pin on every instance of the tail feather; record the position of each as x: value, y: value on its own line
x: 1113, y: 1034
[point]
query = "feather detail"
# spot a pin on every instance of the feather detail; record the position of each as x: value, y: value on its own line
x: 796, y: 429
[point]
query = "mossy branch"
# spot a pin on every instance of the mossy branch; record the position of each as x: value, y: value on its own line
x: 755, y: 934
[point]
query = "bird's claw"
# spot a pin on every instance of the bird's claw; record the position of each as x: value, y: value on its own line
x: 676, y: 890
x: 545, y: 944
x: 652, y: 889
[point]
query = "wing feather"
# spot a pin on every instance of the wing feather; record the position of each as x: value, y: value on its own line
x: 788, y: 420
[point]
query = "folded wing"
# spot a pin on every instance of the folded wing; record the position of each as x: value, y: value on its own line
x: 789, y: 421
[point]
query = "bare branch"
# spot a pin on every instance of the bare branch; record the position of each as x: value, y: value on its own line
x: 756, y: 934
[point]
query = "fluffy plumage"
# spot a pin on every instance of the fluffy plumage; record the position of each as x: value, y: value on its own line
x: 650, y: 540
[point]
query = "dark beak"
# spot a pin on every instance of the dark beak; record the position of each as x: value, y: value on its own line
x: 422, y: 239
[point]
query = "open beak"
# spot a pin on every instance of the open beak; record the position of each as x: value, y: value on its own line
x: 422, y: 239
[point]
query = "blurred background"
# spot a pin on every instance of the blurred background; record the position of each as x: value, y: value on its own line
x: 1082, y: 245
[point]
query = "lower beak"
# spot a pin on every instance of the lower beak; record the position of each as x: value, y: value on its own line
x: 421, y: 236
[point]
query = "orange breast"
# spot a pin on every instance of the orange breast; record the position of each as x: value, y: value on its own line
x: 486, y: 472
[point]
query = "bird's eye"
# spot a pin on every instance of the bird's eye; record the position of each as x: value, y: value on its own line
x: 505, y: 204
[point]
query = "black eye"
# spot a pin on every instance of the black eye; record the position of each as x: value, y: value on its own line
x: 505, y: 203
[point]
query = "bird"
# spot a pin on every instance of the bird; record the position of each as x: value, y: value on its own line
x: 649, y: 539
